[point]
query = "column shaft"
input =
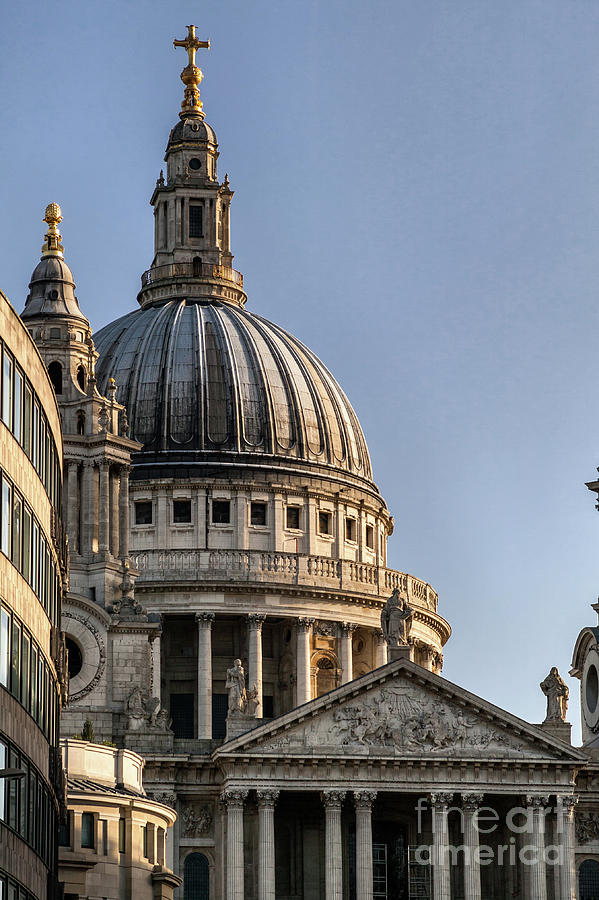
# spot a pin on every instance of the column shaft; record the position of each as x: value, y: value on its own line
x: 234, y: 802
x: 255, y: 658
x: 104, y: 511
x: 266, y: 844
x: 567, y: 842
x: 124, y: 513
x: 538, y: 876
x: 204, y: 621
x: 72, y: 506
x: 114, y: 512
x: 364, y: 884
x: 156, y: 673
x: 303, y: 687
x: 381, y: 650
x: 333, y: 849
x: 440, y: 855
x: 472, y: 888
x: 88, y: 511
x: 347, y: 631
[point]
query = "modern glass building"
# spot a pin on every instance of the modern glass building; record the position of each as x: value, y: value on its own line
x: 32, y: 573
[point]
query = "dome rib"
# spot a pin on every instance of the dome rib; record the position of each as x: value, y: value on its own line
x: 217, y: 383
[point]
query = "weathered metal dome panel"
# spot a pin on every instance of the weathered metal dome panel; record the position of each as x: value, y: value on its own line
x: 210, y: 377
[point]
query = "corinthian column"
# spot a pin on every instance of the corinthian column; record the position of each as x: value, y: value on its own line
x: 233, y: 800
x: 104, y: 511
x: 470, y: 804
x: 303, y: 687
x: 347, y: 630
x: 266, y: 841
x: 380, y: 657
x: 204, y: 620
x: 567, y: 842
x: 538, y: 875
x: 255, y: 624
x: 333, y: 851
x: 72, y: 507
x: 124, y: 513
x: 363, y: 801
x: 440, y: 857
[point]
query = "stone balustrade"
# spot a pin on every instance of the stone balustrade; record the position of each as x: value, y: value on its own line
x: 265, y: 567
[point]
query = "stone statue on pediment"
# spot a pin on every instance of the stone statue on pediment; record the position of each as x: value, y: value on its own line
x: 557, y: 693
x: 235, y: 685
x: 396, y: 620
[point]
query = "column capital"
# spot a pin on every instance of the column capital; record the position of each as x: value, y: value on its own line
x: 348, y: 627
x: 537, y: 801
x: 267, y: 798
x: 442, y: 798
x: 567, y: 801
x: 304, y: 624
x: 104, y: 464
x: 332, y: 799
x: 364, y: 799
x: 256, y: 621
x: 234, y: 798
x: 471, y: 801
x: 124, y: 468
x: 204, y: 619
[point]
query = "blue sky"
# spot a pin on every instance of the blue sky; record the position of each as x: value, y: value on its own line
x: 417, y: 199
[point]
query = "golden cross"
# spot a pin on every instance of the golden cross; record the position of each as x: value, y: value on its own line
x: 192, y: 44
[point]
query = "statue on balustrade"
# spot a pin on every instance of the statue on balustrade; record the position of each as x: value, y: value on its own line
x: 396, y: 620
x: 557, y: 693
x: 235, y: 685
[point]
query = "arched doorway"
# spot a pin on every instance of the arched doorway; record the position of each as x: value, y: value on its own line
x: 327, y: 675
x: 196, y: 877
x: 588, y: 880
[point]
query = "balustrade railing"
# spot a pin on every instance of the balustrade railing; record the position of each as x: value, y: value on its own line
x: 191, y: 270
x: 284, y: 568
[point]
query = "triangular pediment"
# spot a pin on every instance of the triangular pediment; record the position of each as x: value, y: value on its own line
x: 401, y: 710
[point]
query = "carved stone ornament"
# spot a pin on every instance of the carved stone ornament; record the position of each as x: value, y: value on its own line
x: 364, y: 799
x: 256, y: 621
x: 537, y: 801
x: 587, y: 827
x: 267, y: 798
x: 304, y: 624
x: 324, y: 629
x: 146, y: 714
x: 332, y: 799
x: 101, y: 653
x: 234, y: 797
x: 442, y: 798
x: 196, y: 823
x: 167, y: 798
x: 205, y: 619
x: 471, y: 801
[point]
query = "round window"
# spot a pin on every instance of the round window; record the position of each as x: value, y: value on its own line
x: 592, y: 688
x: 75, y: 657
x: 194, y: 163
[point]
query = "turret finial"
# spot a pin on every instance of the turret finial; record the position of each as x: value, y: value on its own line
x: 52, y: 245
x: 192, y: 76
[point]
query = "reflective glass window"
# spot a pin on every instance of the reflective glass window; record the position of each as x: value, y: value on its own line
x: 25, y: 651
x: 4, y: 648
x: 7, y: 376
x: 17, y: 426
x: 17, y: 517
x: 87, y: 831
x: 34, y: 664
x: 26, y: 565
x: 6, y: 513
x: 15, y: 662
x: 27, y: 404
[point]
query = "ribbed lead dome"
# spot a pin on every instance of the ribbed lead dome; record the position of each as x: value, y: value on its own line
x: 208, y: 381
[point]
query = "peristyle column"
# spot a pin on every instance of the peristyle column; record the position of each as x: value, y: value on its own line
x: 255, y: 623
x: 124, y: 513
x: 380, y: 658
x: 233, y: 800
x: 347, y: 630
x: 363, y: 801
x: 440, y: 804
x: 104, y: 511
x: 537, y: 806
x: 72, y: 507
x: 303, y: 687
x: 470, y: 805
x: 333, y: 850
x: 204, y: 620
x: 266, y: 844
x: 114, y: 511
x: 567, y: 842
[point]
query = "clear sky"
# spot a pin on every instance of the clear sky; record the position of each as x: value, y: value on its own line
x: 417, y: 199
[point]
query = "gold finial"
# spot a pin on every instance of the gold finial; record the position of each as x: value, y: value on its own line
x: 192, y: 76
x: 52, y: 246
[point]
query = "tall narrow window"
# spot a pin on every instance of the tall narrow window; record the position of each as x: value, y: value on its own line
x: 6, y: 515
x: 87, y: 831
x: 7, y: 373
x: 27, y: 420
x: 4, y: 647
x: 122, y: 836
x: 55, y: 373
x: 195, y: 221
x: 17, y: 425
